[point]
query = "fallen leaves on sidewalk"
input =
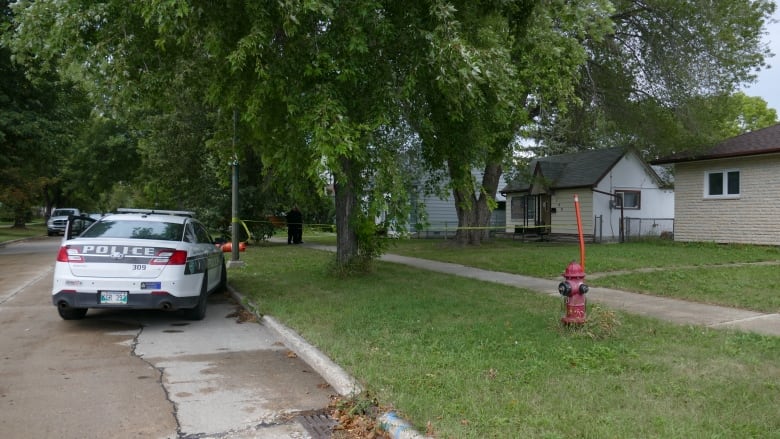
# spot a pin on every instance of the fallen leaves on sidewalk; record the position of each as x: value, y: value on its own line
x: 242, y: 315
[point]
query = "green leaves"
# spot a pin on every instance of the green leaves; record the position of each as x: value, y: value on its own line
x: 646, y: 82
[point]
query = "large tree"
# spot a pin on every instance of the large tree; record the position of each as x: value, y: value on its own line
x: 39, y: 121
x: 309, y: 79
x: 665, y: 79
x: 650, y: 82
x: 484, y: 70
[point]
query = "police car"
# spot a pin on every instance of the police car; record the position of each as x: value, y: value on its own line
x: 137, y: 259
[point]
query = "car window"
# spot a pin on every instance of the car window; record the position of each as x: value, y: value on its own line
x: 189, y: 234
x: 135, y: 230
x: 63, y: 212
x: 203, y: 235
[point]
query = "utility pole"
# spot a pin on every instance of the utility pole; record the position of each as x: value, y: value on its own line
x: 617, y: 198
x: 234, y: 260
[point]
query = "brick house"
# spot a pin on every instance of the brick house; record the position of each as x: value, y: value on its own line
x: 729, y: 193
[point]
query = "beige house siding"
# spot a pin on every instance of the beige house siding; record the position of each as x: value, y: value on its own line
x: 564, y: 220
x: 752, y: 218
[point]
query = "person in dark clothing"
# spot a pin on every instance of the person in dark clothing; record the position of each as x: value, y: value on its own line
x: 294, y: 226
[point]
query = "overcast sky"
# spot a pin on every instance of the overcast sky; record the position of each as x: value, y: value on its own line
x: 768, y: 84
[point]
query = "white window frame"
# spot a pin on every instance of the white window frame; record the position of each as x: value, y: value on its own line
x: 725, y: 175
x: 619, y: 200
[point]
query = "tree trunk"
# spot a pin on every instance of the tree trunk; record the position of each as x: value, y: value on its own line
x: 49, y: 199
x: 474, y: 211
x: 19, y: 220
x: 347, y: 207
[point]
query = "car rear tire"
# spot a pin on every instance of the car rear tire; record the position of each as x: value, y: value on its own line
x: 72, y: 313
x: 222, y: 279
x: 199, y: 312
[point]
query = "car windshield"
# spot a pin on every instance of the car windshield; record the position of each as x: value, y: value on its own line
x: 63, y: 212
x: 135, y: 230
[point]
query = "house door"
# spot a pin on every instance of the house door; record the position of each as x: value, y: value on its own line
x: 543, y: 217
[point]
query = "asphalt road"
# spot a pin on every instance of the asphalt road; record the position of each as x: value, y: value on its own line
x: 140, y: 374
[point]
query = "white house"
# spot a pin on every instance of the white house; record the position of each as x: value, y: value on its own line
x: 611, y: 184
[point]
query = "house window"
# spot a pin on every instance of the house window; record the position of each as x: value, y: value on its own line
x: 628, y: 199
x: 518, y: 208
x: 530, y: 209
x: 721, y: 184
x: 523, y: 208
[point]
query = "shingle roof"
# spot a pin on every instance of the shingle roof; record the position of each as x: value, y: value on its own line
x: 763, y: 141
x: 585, y: 168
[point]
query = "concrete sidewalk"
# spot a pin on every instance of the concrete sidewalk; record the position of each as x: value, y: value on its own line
x: 673, y: 310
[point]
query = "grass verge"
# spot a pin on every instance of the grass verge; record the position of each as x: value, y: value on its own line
x: 468, y: 359
x: 548, y: 259
x: 741, y: 276
x: 8, y: 233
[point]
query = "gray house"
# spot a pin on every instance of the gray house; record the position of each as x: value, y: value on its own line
x: 613, y: 186
x: 729, y: 193
x: 440, y: 218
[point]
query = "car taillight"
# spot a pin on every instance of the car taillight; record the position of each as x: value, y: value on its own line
x: 69, y: 254
x: 170, y: 257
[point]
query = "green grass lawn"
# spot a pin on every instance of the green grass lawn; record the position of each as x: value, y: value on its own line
x: 549, y: 259
x: 480, y: 360
x: 8, y: 233
x: 742, y: 276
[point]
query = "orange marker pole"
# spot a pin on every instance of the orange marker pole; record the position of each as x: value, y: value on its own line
x: 579, y: 230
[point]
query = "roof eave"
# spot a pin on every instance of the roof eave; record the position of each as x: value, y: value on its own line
x: 551, y: 188
x: 696, y: 158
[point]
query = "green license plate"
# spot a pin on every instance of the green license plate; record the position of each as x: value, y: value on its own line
x: 113, y: 297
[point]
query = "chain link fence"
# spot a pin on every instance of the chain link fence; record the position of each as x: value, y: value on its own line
x: 643, y: 228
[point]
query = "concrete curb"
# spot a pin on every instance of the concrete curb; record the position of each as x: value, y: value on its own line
x: 398, y: 428
x: 337, y: 377
x: 332, y: 372
x: 14, y: 241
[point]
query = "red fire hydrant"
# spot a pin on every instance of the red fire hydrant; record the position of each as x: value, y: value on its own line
x: 573, y: 290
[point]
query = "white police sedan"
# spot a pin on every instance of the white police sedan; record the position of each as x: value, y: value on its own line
x: 137, y: 259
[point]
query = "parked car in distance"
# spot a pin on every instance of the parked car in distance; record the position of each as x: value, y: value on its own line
x: 58, y: 219
x: 137, y: 259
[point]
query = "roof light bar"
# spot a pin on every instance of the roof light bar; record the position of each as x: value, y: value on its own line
x: 157, y: 212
